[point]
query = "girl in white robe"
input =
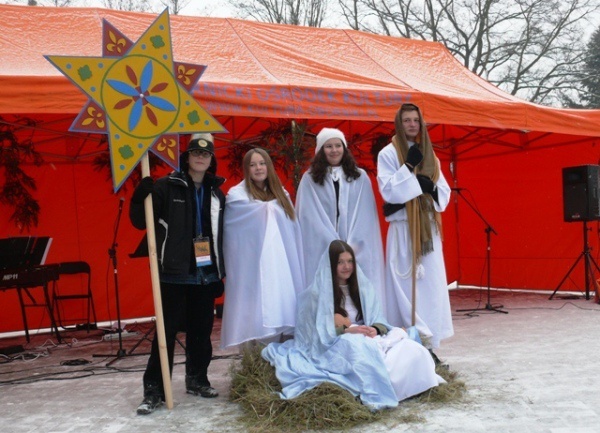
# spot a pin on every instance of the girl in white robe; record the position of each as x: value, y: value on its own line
x: 342, y: 337
x: 263, y: 256
x: 348, y: 213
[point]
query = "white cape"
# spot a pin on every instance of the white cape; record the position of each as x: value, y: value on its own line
x: 263, y: 258
x: 358, y: 224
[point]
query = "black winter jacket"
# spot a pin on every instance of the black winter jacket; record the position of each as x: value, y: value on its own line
x: 175, y: 221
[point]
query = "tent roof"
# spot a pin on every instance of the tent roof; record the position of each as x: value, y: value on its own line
x: 274, y: 71
x: 261, y: 76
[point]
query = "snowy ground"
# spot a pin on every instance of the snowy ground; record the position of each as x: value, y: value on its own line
x: 535, y: 369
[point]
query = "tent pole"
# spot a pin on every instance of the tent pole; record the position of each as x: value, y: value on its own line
x: 453, y: 172
x: 160, y: 324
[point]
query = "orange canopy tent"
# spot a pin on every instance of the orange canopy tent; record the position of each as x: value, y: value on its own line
x: 505, y: 152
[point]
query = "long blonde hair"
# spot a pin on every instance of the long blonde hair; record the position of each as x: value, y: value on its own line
x: 273, y: 188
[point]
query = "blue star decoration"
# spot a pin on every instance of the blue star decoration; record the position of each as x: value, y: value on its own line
x: 138, y: 95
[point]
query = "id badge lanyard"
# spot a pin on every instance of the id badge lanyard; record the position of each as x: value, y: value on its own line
x: 201, y: 243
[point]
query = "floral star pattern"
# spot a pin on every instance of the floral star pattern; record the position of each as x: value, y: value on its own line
x: 138, y: 95
x: 142, y: 95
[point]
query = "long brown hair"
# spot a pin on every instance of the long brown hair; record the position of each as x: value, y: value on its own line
x: 336, y: 248
x: 319, y: 166
x: 427, y: 166
x: 273, y: 190
x: 421, y: 209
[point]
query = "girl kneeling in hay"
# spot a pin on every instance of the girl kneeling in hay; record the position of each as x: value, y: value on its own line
x: 342, y: 337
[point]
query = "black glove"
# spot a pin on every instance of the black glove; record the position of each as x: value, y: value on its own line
x: 143, y: 190
x: 390, y: 208
x: 426, y: 184
x: 413, y: 157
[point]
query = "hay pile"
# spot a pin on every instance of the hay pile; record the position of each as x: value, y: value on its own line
x: 326, y: 407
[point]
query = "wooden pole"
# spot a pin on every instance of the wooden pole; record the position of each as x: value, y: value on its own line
x: 160, y: 324
x: 414, y: 238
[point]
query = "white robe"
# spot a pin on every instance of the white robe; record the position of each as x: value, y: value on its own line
x: 358, y: 224
x: 398, y: 184
x: 265, y: 271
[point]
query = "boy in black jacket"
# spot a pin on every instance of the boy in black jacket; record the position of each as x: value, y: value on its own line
x: 188, y: 213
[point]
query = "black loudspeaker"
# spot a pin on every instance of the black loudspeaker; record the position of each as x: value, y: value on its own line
x: 580, y: 193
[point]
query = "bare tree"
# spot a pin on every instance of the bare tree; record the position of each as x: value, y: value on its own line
x: 591, y: 72
x: 128, y: 5
x: 529, y: 48
x: 175, y: 6
x: 296, y: 12
x: 56, y: 3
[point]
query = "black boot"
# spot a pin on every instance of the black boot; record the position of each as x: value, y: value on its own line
x: 149, y: 404
x: 196, y: 386
x: 153, y: 398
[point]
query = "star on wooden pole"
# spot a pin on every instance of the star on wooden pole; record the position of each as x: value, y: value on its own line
x: 140, y: 97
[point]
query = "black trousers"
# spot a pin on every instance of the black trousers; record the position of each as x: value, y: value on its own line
x: 187, y: 308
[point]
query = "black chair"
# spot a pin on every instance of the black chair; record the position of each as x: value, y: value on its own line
x: 74, y: 283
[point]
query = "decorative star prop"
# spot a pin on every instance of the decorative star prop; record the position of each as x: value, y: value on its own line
x: 138, y: 95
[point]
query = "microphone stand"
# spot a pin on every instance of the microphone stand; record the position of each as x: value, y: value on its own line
x: 112, y: 252
x: 488, y: 230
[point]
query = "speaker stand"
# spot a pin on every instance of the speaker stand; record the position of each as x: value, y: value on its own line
x: 588, y: 261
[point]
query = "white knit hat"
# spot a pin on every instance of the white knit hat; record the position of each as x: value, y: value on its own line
x: 329, y: 133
